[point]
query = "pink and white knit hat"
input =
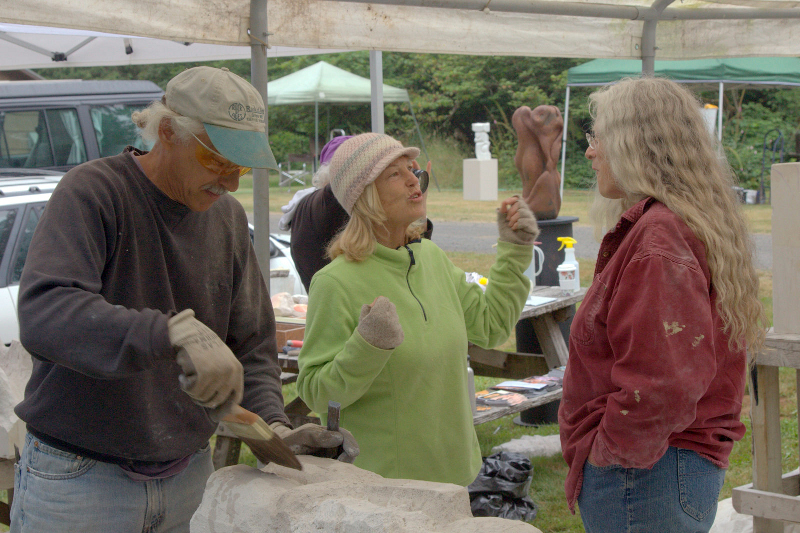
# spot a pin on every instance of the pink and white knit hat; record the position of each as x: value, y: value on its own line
x: 359, y: 161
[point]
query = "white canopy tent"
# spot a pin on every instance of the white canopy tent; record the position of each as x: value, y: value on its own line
x: 626, y: 29
x: 36, y: 47
x: 557, y: 28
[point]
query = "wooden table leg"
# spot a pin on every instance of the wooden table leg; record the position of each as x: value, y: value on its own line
x: 551, y: 340
x: 766, y: 429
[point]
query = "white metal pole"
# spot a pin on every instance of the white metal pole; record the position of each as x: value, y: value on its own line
x: 259, y: 78
x: 564, y: 141
x: 376, y: 83
x: 719, y: 110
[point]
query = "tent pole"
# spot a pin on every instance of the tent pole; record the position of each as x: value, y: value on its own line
x: 564, y: 140
x: 649, y: 36
x: 316, y: 135
x: 422, y: 143
x: 719, y: 111
x: 376, y: 82
x: 259, y: 78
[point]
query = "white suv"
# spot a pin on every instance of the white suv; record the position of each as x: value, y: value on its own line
x: 23, y: 195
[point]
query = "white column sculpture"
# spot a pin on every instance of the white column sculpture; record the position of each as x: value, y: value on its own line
x: 481, y: 130
x: 480, y: 174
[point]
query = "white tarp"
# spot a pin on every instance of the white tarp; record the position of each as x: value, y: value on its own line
x: 31, y: 47
x: 412, y: 28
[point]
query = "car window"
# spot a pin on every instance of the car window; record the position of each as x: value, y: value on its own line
x: 20, y: 132
x: 18, y: 260
x: 115, y: 130
x: 7, y: 218
x: 40, y: 139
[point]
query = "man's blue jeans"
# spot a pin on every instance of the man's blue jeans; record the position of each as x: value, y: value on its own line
x: 58, y: 491
x: 678, y: 495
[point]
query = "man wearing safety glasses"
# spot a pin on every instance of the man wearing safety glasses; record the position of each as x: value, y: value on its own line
x: 147, y: 317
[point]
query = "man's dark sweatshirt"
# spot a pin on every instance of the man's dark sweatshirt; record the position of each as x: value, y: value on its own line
x: 112, y: 259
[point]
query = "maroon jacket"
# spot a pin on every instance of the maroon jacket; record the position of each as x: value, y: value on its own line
x: 649, y: 366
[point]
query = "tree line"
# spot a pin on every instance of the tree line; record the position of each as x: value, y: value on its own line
x: 450, y: 92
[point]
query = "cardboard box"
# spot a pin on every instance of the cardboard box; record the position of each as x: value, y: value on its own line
x: 285, y: 332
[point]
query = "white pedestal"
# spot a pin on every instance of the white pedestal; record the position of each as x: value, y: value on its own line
x: 785, y: 194
x: 480, y: 179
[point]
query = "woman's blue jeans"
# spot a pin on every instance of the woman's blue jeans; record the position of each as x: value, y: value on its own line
x: 678, y: 495
x: 57, y: 491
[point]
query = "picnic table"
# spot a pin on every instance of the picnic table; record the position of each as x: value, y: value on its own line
x: 545, y: 319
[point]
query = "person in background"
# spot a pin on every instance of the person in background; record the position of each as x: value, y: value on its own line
x: 316, y: 219
x: 653, y: 389
x: 147, y: 317
x: 390, y: 318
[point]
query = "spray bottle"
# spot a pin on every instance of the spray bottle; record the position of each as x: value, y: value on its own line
x: 569, y: 258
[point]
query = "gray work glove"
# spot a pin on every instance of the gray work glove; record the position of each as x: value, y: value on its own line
x: 212, y: 375
x: 380, y: 325
x: 313, y: 439
x: 518, y: 225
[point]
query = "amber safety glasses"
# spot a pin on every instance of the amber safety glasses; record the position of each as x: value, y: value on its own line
x: 215, y: 161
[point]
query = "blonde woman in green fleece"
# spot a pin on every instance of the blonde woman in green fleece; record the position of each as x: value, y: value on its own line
x: 389, y: 319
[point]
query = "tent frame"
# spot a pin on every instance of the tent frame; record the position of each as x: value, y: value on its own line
x: 720, y: 98
x: 657, y: 11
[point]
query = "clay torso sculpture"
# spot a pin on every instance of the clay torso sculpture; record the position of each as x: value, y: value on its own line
x: 538, y: 145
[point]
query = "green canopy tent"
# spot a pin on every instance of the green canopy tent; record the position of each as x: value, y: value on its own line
x: 706, y: 73
x: 323, y: 83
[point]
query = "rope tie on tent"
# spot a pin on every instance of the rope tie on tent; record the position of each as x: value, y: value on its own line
x: 263, y: 43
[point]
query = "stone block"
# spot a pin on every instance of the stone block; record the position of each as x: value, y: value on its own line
x: 328, y: 495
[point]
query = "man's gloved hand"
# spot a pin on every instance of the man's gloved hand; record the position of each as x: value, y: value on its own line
x: 212, y: 375
x: 380, y: 325
x: 516, y: 223
x: 313, y: 439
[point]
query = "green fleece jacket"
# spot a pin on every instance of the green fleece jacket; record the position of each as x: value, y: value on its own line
x: 408, y: 408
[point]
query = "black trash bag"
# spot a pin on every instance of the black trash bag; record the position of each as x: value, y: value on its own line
x: 504, y: 473
x: 501, y: 488
x: 499, y: 506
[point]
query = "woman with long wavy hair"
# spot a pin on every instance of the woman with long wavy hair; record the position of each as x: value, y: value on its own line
x: 658, y: 349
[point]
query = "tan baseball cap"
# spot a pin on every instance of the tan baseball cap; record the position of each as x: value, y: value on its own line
x: 231, y: 110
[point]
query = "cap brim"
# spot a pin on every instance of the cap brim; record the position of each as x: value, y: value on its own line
x: 245, y: 148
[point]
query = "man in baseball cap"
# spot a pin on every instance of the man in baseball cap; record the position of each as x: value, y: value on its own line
x: 148, y: 319
x: 231, y: 110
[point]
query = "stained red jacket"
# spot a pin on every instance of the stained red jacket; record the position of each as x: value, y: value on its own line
x: 649, y: 366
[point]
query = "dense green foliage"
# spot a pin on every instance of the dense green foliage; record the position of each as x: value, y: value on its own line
x: 450, y: 92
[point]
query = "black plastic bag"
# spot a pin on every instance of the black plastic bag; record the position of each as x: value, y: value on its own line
x: 501, y: 488
x: 499, y: 506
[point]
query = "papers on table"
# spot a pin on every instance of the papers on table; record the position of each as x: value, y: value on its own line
x: 533, y: 301
x: 521, y: 385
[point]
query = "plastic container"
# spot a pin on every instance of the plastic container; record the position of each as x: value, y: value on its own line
x: 567, y: 278
x: 569, y: 259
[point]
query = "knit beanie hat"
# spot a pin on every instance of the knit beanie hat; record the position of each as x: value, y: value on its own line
x: 359, y: 161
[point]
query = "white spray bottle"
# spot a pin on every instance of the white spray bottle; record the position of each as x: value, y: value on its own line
x: 569, y: 258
